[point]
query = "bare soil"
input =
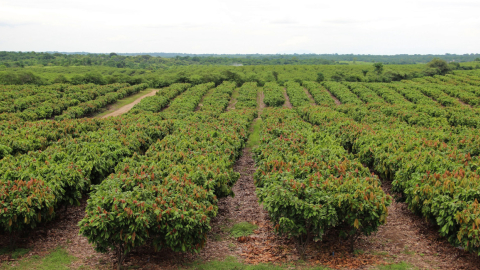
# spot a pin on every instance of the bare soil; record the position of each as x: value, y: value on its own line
x: 337, y: 102
x: 410, y: 238
x: 233, y: 100
x: 312, y: 101
x: 463, y: 103
x: 261, y: 104
x: 128, y: 107
x: 63, y: 231
x: 287, y: 103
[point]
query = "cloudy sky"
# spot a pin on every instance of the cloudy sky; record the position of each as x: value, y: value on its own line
x: 247, y: 26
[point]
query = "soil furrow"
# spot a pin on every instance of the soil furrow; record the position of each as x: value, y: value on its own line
x: 408, y: 237
x: 233, y: 100
x: 287, y: 99
x: 312, y: 101
x: 337, y: 102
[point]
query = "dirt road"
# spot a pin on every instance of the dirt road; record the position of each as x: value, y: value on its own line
x: 128, y: 107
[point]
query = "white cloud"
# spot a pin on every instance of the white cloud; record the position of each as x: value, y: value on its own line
x: 249, y: 26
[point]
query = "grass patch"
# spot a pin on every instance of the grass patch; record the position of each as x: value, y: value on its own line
x: 242, y: 229
x: 254, y: 138
x: 124, y: 101
x: 358, y: 252
x: 231, y: 263
x: 217, y: 237
x: 16, y: 253
x: 397, y: 266
x: 57, y: 259
x: 407, y: 251
x: 379, y: 253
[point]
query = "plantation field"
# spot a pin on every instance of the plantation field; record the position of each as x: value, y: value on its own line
x: 286, y: 170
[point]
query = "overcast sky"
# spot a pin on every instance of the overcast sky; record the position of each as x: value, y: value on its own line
x: 247, y: 26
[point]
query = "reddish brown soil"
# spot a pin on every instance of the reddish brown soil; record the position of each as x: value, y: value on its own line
x: 337, y: 102
x: 312, y: 101
x: 408, y: 237
x: 287, y: 100
x: 261, y: 104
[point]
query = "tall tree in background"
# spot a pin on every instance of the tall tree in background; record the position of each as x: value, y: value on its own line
x: 378, y: 68
x: 440, y: 65
x: 320, y: 77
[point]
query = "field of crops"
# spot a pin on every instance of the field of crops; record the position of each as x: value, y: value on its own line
x: 155, y: 176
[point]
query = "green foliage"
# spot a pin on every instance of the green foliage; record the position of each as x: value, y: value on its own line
x: 378, y: 68
x: 319, y: 93
x: 62, y: 101
x: 296, y: 94
x: 161, y: 99
x: 169, y: 195
x: 247, y: 96
x: 20, y: 77
x: 342, y: 92
x: 32, y: 185
x: 100, y: 102
x: 219, y: 98
x: 273, y: 95
x: 308, y: 183
x: 436, y: 171
x: 320, y: 77
x: 364, y: 93
x: 185, y: 104
x: 441, y: 66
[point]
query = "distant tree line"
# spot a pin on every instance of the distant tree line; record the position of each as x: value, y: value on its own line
x: 22, y: 59
x: 197, y: 74
x: 155, y: 61
x: 398, y: 59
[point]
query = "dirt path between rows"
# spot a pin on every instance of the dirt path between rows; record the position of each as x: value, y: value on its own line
x: 408, y: 237
x: 128, y: 107
x: 463, y: 103
x: 337, y: 102
x: 312, y: 101
x: 64, y: 232
x: 207, y: 94
x: 287, y: 103
x: 261, y: 104
x: 233, y: 100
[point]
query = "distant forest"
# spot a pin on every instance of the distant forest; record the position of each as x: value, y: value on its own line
x: 155, y: 61
x: 398, y: 59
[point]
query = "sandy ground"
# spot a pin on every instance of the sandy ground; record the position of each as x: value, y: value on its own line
x: 128, y: 107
